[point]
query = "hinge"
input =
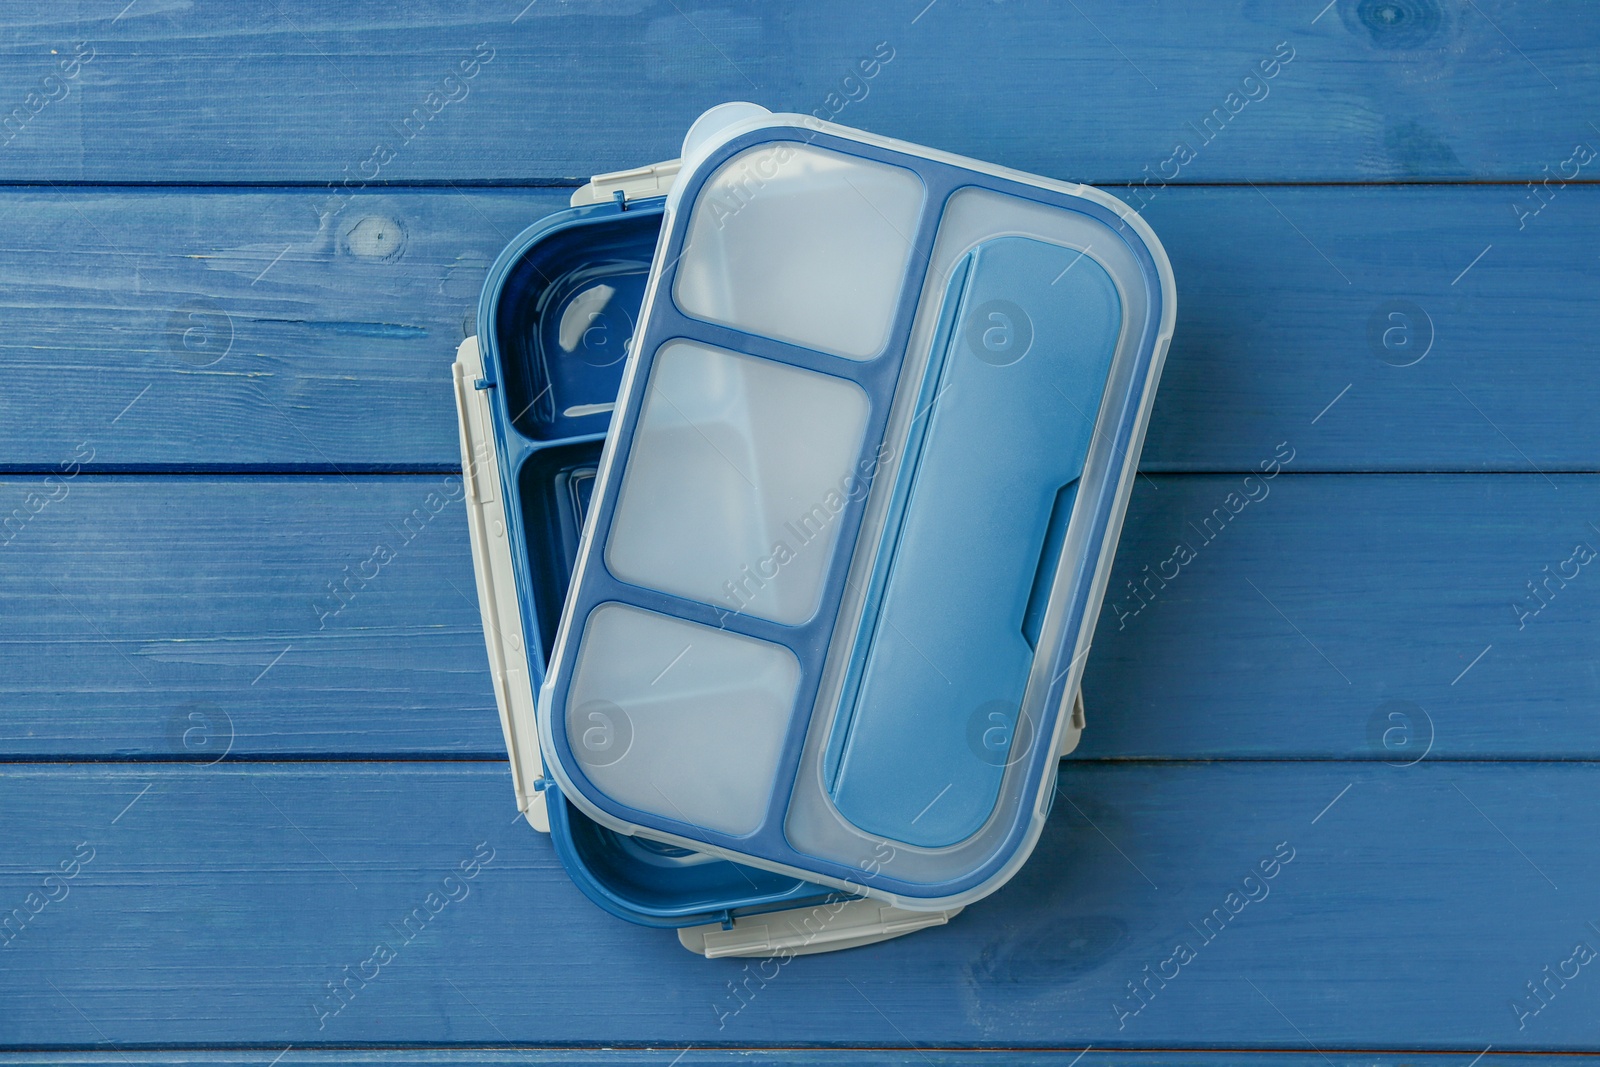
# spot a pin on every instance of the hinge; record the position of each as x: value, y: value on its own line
x: 1075, y: 725
x: 621, y: 186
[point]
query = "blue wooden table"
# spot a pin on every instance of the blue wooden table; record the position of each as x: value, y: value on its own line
x: 239, y: 244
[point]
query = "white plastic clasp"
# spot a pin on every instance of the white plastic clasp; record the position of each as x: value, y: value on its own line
x: 802, y: 931
x: 497, y: 589
x: 1075, y: 725
x: 637, y: 184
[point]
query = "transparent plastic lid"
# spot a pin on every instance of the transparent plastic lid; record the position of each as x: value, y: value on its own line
x: 851, y: 529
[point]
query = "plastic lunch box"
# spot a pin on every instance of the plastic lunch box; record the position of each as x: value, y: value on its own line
x: 795, y: 469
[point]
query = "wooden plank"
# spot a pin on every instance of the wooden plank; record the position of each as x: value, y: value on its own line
x: 799, y: 1057
x: 340, y: 360
x: 1303, y: 623
x: 183, y: 617
x: 1296, y: 628
x: 219, y: 901
x: 243, y: 330
x: 295, y: 92
x: 1414, y: 329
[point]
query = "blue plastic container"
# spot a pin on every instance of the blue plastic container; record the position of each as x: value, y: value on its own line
x: 805, y: 479
x: 879, y: 423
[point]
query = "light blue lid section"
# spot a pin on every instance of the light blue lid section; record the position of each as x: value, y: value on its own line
x: 734, y: 464
x: 804, y: 245
x: 850, y: 531
x: 1004, y: 429
x: 697, y: 740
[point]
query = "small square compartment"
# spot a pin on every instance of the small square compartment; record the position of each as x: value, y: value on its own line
x: 565, y: 314
x: 716, y: 424
x: 802, y: 245
x: 681, y: 719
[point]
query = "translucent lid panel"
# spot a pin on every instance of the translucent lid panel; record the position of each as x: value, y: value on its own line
x: 678, y: 719
x: 736, y: 480
x: 802, y: 245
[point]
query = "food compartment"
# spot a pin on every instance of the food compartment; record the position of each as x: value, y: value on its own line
x: 566, y: 312
x: 553, y: 490
x: 739, y: 474
x: 679, y: 719
x: 802, y: 245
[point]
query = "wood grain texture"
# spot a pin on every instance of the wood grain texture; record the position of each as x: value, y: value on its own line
x: 1391, y: 329
x: 137, y: 602
x: 241, y: 330
x: 215, y: 908
x: 241, y: 244
x: 184, y: 617
x: 268, y: 91
x: 336, y: 337
x: 1328, y: 603
x: 690, y: 1056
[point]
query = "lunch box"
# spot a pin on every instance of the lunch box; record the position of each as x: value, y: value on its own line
x: 795, y: 469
